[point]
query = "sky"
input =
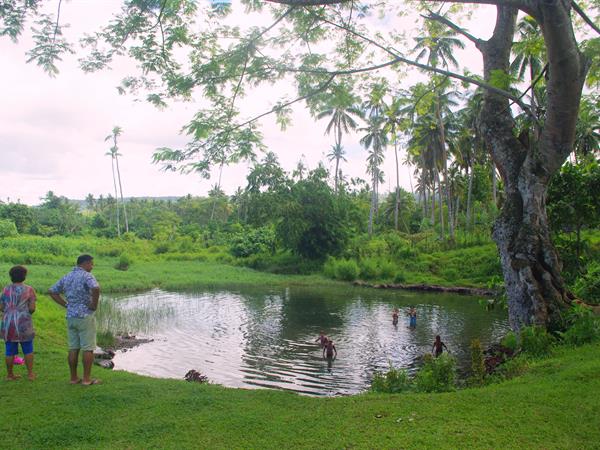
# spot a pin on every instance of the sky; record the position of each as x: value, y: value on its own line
x: 53, y: 130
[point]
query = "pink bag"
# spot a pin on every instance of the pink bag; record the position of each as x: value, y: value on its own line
x: 19, y: 361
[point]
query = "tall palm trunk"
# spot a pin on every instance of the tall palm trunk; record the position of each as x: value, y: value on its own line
x: 469, y: 199
x: 121, y: 191
x: 442, y: 138
x: 214, y: 205
x: 112, y: 164
x: 441, y: 205
x: 397, y: 204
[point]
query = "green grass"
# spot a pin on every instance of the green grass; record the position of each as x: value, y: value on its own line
x: 554, y: 405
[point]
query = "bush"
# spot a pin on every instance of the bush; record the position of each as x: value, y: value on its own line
x: 391, y: 382
x: 387, y: 270
x: 588, y: 286
x: 399, y: 277
x: 536, y: 341
x: 512, y: 368
x: 346, y: 270
x: 7, y: 228
x: 368, y: 269
x: 124, y: 262
x: 583, y: 326
x: 477, y: 363
x: 510, y: 341
x: 437, y: 374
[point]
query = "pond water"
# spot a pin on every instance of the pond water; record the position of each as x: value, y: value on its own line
x: 255, y: 338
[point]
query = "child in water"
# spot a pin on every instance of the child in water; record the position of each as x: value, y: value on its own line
x: 412, y: 314
x: 322, y: 339
x: 17, y: 303
x: 395, y: 314
x: 438, y: 346
x: 329, y: 349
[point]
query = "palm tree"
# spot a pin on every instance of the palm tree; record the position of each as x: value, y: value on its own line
x: 337, y: 153
x: 439, y: 44
x: 587, y: 132
x: 114, y: 153
x: 392, y: 117
x: 375, y: 140
x: 343, y: 111
x: 300, y: 169
x: 529, y: 53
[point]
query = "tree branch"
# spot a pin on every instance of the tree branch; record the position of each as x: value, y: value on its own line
x: 585, y: 17
x: 57, y: 22
x: 308, y: 2
x: 398, y: 58
x: 439, y: 18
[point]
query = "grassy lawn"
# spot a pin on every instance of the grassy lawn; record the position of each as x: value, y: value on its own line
x: 555, y: 404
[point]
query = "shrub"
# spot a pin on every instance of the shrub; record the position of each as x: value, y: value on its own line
x: 588, y: 286
x: 123, y: 263
x: 583, y: 326
x: 536, y: 341
x: 399, y: 277
x: 391, y: 382
x: 512, y: 368
x: 510, y: 341
x: 437, y: 374
x: 387, y: 270
x: 7, y: 228
x: 346, y: 270
x: 368, y: 269
x: 477, y: 363
x: 161, y: 248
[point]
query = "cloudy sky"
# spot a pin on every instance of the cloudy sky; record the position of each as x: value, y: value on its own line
x: 52, y: 130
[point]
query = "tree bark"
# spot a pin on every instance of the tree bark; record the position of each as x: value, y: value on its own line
x: 532, y: 271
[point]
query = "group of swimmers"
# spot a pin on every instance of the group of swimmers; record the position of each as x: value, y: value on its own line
x: 330, y: 352
x: 412, y: 315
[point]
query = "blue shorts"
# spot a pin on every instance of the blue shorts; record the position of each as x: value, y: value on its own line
x: 12, y: 348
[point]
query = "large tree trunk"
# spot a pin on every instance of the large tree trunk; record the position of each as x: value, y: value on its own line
x: 532, y: 271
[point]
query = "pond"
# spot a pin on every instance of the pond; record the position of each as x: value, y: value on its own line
x: 254, y: 338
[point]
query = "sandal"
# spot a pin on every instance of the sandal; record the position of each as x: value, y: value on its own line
x: 92, y: 381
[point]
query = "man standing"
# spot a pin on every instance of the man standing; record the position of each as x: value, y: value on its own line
x: 82, y: 292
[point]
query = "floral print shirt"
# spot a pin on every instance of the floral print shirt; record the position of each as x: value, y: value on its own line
x: 77, y: 286
x: 17, y: 325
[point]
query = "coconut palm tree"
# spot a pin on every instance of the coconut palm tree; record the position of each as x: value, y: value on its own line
x: 393, y: 115
x: 439, y: 44
x: 374, y: 140
x: 337, y: 154
x: 114, y: 153
x: 529, y: 54
x: 343, y: 112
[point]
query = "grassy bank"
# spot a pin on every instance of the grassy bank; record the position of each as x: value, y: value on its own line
x: 553, y: 405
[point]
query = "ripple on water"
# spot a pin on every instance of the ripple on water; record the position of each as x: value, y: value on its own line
x: 268, y: 340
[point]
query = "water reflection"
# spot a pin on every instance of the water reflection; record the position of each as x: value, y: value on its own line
x: 266, y: 338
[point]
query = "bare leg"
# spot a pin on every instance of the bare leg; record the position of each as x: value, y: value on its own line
x: 88, y: 360
x: 29, y: 364
x: 10, y: 361
x: 73, y: 357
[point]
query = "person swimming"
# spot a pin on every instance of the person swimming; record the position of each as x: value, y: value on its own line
x: 412, y: 314
x: 395, y: 314
x: 438, y: 346
x: 322, y: 339
x: 330, y: 350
